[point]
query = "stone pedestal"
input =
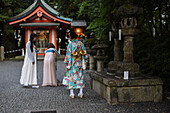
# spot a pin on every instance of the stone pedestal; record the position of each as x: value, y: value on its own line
x: 113, y: 66
x: 2, y: 53
x: 132, y: 68
x: 116, y: 90
x: 100, y: 63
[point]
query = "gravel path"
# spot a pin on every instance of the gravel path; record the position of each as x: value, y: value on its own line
x: 15, y: 99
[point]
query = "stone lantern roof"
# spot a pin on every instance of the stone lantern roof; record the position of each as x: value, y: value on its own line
x: 127, y: 10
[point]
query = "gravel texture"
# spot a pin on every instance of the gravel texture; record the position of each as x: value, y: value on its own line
x: 16, y: 99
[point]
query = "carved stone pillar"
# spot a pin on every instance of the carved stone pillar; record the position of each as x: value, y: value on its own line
x: 92, y: 61
x: 2, y: 53
x: 92, y: 65
x: 128, y: 49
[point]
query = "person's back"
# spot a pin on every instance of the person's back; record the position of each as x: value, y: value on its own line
x: 49, y: 70
x: 75, y: 54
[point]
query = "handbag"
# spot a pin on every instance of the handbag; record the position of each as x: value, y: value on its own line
x: 65, y: 81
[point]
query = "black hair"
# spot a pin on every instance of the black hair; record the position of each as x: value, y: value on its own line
x: 73, y: 35
x: 51, y: 45
x: 31, y: 40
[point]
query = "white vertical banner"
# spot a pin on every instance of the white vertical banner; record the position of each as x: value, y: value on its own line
x: 110, y: 35
x: 120, y: 34
x: 28, y: 35
x: 126, y: 75
x: 53, y: 41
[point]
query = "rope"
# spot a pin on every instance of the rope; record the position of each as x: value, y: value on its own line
x: 12, y: 51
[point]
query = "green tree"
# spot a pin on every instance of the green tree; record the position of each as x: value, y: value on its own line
x: 9, y: 9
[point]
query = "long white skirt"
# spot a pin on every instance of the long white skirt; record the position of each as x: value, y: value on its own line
x: 49, y: 72
x: 29, y: 72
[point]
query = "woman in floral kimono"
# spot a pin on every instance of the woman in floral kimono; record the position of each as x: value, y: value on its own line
x: 76, y: 53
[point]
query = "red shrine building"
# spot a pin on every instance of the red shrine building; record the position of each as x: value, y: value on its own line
x: 45, y: 21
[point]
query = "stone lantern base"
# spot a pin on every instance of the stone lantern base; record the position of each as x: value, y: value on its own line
x: 133, y: 69
x: 119, y: 67
x: 116, y: 90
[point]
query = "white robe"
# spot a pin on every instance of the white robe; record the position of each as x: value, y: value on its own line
x: 29, y: 70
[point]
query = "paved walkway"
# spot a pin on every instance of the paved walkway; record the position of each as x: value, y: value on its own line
x: 15, y: 99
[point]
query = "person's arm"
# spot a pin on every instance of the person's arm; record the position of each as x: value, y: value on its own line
x: 30, y: 54
x: 56, y: 52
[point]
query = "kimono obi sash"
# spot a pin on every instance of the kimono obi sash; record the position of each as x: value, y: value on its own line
x: 77, y: 55
x: 49, y: 51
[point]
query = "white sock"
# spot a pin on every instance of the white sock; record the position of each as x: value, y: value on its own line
x: 71, y: 92
x: 81, y: 91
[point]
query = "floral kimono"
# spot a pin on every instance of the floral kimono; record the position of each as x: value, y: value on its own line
x: 75, y: 54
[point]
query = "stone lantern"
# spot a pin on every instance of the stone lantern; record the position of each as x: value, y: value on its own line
x: 100, y: 55
x: 112, y: 85
x: 128, y: 23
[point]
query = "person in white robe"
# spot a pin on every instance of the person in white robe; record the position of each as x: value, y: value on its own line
x: 29, y: 69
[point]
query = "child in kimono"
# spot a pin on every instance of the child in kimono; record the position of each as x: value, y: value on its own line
x: 49, y: 70
x: 76, y: 53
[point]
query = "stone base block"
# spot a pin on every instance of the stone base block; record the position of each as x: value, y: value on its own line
x: 133, y: 69
x: 121, y: 91
x: 119, y: 68
x: 113, y: 66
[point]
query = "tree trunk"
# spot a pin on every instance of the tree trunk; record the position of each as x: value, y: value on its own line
x: 160, y: 15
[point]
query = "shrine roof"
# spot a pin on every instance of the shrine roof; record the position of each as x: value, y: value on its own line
x: 78, y: 23
x: 34, y: 6
x: 39, y: 24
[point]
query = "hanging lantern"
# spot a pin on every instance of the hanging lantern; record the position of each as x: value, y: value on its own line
x: 79, y: 31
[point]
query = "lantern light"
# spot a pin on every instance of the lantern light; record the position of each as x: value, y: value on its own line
x: 78, y: 30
